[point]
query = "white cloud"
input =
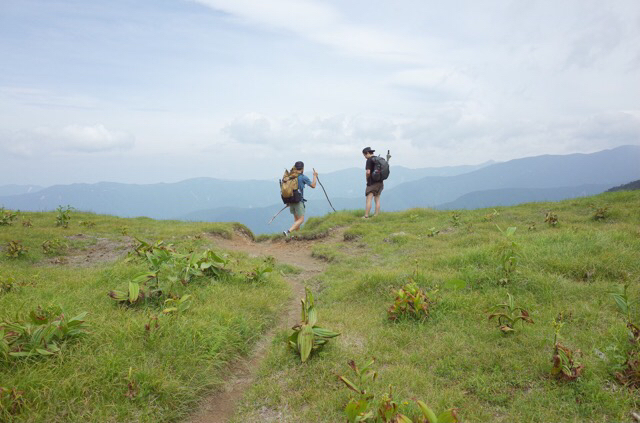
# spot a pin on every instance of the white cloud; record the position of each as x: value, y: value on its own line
x: 336, y: 130
x: 70, y: 139
x: 321, y: 23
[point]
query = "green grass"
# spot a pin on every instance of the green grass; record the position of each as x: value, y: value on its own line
x: 172, y: 367
x: 457, y: 358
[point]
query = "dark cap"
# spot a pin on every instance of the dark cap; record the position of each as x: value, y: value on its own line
x: 299, y: 165
x: 367, y: 150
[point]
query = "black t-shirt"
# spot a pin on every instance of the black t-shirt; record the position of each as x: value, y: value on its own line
x: 371, y: 164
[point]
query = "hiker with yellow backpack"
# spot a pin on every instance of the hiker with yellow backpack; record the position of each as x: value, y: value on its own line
x: 292, y: 192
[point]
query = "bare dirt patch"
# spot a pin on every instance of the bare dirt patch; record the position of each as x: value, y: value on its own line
x: 98, y: 250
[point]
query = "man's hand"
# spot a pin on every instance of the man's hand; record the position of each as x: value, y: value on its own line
x: 315, y: 173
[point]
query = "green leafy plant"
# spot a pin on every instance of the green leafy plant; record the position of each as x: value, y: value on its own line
x: 64, y: 216
x: 508, y: 314
x: 7, y: 284
x: 177, y: 305
x: 431, y: 232
x: 124, y: 230
x: 213, y: 264
x: 135, y: 294
x: 364, y: 408
x: 490, y: 216
x: 508, y: 254
x: 625, y: 307
x: 7, y: 217
x: 54, y: 246
x: 455, y: 218
x: 411, y: 302
x: 259, y: 273
x: 629, y: 374
x: 87, y: 224
x: 41, y: 334
x: 551, y: 218
x: 600, y: 213
x: 306, y: 335
x: 15, y: 249
x: 11, y: 403
x: 167, y: 270
x: 564, y: 365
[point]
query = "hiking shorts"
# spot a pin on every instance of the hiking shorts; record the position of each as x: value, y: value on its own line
x: 375, y: 189
x: 297, y: 209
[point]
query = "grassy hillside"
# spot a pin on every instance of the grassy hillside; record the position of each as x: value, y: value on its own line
x: 453, y: 358
x: 119, y: 371
x: 457, y: 357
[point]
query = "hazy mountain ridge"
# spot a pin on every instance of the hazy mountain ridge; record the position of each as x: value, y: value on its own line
x: 608, y: 167
x: 171, y: 200
x: 512, y: 196
x: 626, y: 187
x: 540, y: 178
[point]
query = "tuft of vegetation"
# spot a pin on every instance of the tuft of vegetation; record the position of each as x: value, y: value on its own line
x: 564, y: 365
x: 362, y: 408
x: 7, y: 217
x: 630, y: 372
x: 306, y: 336
x: 41, y: 334
x: 260, y: 272
x: 54, y: 246
x: 509, y: 254
x: 600, y: 213
x: 11, y: 403
x: 508, y: 314
x: 15, y: 249
x: 64, y: 216
x: 411, y: 302
x: 456, y: 218
x: 7, y: 284
x: 551, y: 219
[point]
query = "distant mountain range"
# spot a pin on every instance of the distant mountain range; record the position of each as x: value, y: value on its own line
x: 626, y: 187
x: 540, y: 178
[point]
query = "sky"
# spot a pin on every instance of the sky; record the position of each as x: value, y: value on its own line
x: 147, y: 91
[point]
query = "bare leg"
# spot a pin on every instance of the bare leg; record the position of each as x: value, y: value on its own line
x: 297, y: 223
x: 368, y: 207
x: 377, y: 200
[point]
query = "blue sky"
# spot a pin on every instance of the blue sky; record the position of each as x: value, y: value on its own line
x: 159, y: 91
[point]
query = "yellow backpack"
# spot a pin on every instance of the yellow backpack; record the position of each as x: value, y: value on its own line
x: 289, y: 186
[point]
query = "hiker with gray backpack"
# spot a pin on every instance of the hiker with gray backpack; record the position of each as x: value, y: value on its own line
x: 376, y: 171
x: 292, y: 192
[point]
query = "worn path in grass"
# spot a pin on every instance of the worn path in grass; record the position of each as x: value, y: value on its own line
x: 220, y: 406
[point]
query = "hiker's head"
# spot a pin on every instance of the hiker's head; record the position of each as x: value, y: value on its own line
x: 367, y: 152
x: 299, y: 166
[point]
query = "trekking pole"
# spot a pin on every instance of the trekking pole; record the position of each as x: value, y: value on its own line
x: 276, y: 215
x: 325, y: 191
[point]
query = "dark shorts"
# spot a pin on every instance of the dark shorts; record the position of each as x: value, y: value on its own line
x: 375, y: 189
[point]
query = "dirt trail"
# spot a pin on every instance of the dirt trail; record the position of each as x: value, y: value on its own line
x: 219, y: 408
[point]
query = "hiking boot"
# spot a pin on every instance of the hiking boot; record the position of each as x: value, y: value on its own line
x: 286, y: 233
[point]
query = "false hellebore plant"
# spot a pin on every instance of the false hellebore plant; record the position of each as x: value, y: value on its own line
x: 410, y: 302
x: 363, y: 408
x: 306, y: 335
x: 508, y: 315
x: 41, y: 335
